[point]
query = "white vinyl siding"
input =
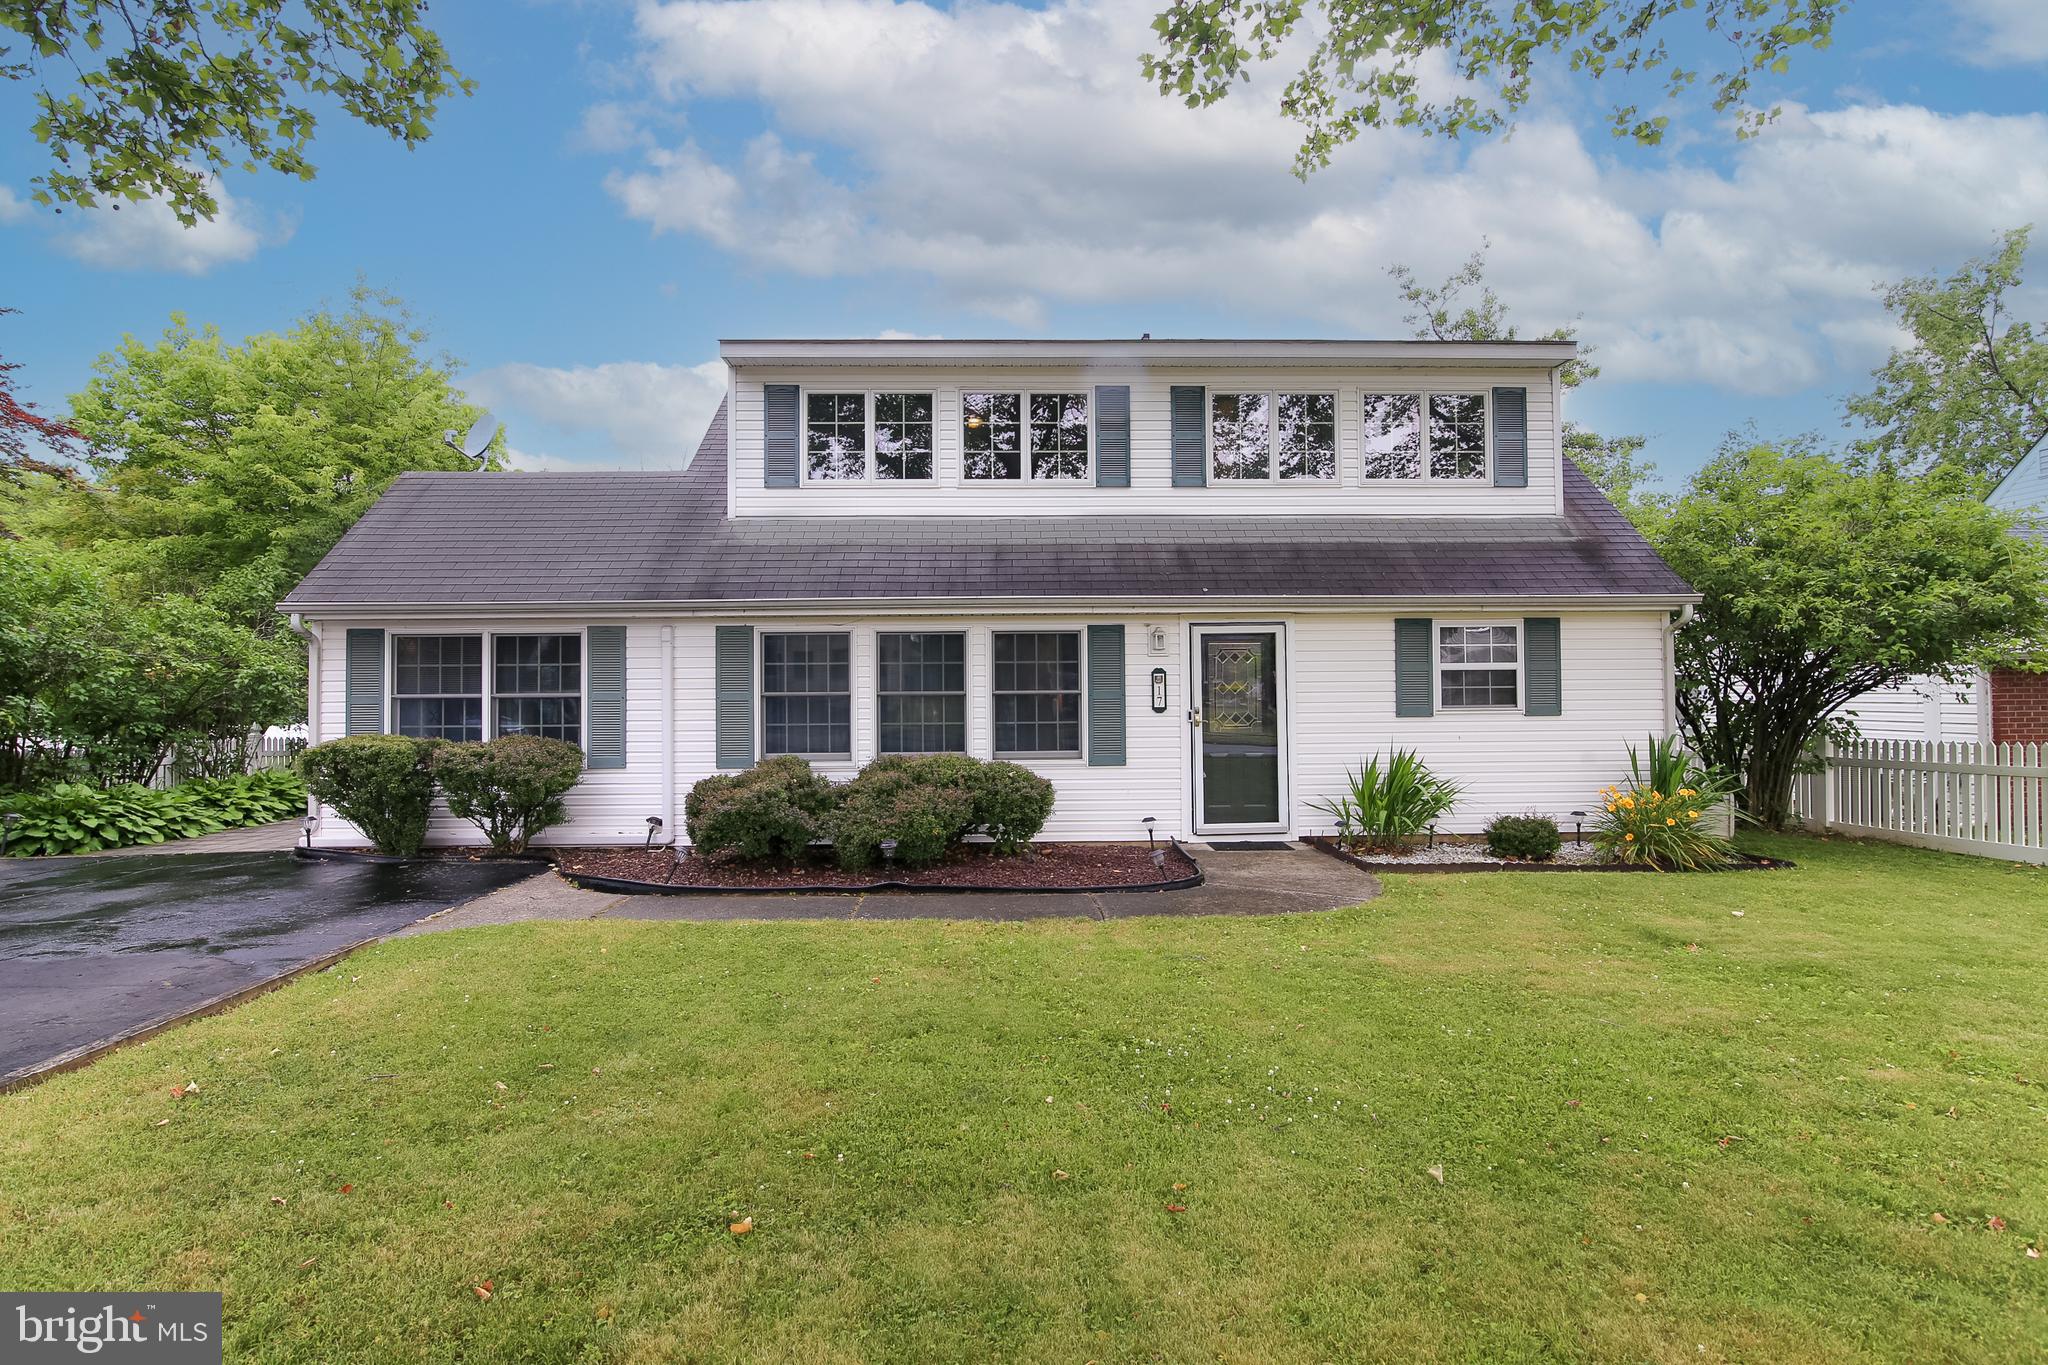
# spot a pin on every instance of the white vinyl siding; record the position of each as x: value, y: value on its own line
x: 951, y: 494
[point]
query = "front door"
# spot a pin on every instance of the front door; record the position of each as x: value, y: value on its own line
x: 1239, y: 768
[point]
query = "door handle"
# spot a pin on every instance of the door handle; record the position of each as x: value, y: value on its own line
x: 1194, y: 715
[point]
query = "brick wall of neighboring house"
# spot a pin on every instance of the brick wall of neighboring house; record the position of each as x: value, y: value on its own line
x: 2019, y: 707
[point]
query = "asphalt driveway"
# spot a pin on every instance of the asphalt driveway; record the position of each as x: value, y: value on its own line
x: 97, y: 949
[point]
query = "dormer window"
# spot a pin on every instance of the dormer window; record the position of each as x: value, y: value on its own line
x: 1004, y: 435
x: 1396, y: 443
x: 850, y: 437
x: 1246, y: 429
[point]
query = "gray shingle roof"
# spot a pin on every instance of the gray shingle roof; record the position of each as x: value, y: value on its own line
x: 482, y: 539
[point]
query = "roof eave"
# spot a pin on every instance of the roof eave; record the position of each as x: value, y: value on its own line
x: 1535, y: 355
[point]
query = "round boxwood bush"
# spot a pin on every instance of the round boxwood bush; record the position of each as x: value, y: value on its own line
x: 1533, y: 838
x: 510, y: 788
x: 1011, y: 804
x: 775, y: 809
x: 925, y: 809
x: 378, y: 783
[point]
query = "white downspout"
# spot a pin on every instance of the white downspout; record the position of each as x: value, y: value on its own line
x: 669, y: 814
x: 1671, y: 628
x: 311, y: 635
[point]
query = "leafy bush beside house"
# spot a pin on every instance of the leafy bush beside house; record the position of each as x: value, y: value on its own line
x: 775, y: 809
x: 510, y: 788
x: 1533, y: 838
x: 924, y: 808
x: 378, y: 783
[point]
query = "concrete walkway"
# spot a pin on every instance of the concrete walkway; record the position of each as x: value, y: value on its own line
x: 1283, y: 881
x: 272, y: 838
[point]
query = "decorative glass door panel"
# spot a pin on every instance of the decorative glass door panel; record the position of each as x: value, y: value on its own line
x: 1239, y: 744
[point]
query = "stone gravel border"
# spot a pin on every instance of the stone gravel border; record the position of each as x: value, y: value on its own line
x: 1743, y: 863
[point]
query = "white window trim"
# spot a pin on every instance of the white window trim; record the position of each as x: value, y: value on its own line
x: 1080, y: 755
x: 966, y: 691
x: 1024, y: 396
x: 1272, y: 477
x: 391, y: 697
x: 490, y: 678
x: 868, y: 479
x: 761, y: 691
x: 1484, y: 479
x: 1436, y: 665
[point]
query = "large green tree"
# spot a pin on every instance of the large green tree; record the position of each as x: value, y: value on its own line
x: 1971, y: 392
x: 225, y: 471
x: 1363, y: 63
x: 144, y: 99
x: 1822, y: 581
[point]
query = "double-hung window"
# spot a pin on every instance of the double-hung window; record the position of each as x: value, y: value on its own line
x: 856, y: 437
x: 1479, y: 666
x: 437, y: 686
x: 992, y: 435
x: 1036, y: 690
x: 807, y: 695
x: 1014, y: 436
x: 1246, y: 430
x: 538, y: 680
x: 921, y: 693
x: 1438, y: 436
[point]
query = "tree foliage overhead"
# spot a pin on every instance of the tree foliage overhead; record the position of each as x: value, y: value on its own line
x: 28, y: 438
x: 1822, y: 582
x: 142, y: 99
x: 227, y: 471
x: 1972, y: 391
x: 1369, y: 65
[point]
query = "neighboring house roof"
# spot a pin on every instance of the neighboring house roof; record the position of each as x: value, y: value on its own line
x: 628, y: 538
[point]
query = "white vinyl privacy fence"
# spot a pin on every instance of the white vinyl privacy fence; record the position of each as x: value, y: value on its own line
x: 1988, y: 799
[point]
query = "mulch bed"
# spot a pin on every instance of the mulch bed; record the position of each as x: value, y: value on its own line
x: 1047, y: 867
x: 1395, y: 863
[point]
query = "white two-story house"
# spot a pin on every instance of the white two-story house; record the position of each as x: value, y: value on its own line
x: 1188, y: 581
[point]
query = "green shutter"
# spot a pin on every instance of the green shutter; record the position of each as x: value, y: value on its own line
x: 1112, y: 436
x: 363, y: 660
x: 779, y: 431
x: 1106, y: 696
x: 1190, y: 448
x: 733, y: 686
x: 1542, y: 666
x: 1414, y: 692
x: 1510, y: 438
x: 604, y: 664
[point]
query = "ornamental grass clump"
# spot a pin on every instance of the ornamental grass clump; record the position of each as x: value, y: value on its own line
x: 1659, y: 817
x: 1383, y: 805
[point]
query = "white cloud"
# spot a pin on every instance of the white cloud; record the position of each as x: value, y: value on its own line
x: 610, y: 127
x: 2003, y: 32
x: 1011, y: 158
x: 148, y: 236
x: 13, y: 208
x: 630, y: 413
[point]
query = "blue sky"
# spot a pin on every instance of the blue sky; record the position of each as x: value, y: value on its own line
x: 632, y: 182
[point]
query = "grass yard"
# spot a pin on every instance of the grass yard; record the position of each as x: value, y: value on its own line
x: 1684, y: 1118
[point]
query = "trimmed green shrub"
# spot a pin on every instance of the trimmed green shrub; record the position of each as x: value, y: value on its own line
x: 378, y: 783
x: 775, y: 809
x: 925, y: 809
x: 1383, y: 804
x: 1533, y: 838
x: 1011, y: 804
x: 510, y: 788
x: 71, y: 817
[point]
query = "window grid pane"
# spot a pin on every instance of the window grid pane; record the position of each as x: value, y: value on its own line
x: 1308, y: 435
x: 836, y: 435
x: 1241, y: 436
x: 1037, y: 692
x: 1391, y: 440
x: 921, y: 693
x: 807, y: 695
x: 1495, y: 650
x: 437, y: 686
x: 903, y: 436
x: 991, y: 435
x: 1059, y: 435
x: 539, y: 683
x: 1457, y: 436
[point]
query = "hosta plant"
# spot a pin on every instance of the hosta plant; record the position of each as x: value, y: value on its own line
x: 1383, y: 804
x: 1661, y: 816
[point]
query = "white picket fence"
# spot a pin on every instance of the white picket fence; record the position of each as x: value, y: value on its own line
x: 273, y: 750
x: 1988, y: 799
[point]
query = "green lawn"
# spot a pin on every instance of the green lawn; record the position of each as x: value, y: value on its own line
x: 1677, y: 1118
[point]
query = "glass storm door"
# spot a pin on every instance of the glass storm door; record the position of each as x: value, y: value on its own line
x: 1238, y: 748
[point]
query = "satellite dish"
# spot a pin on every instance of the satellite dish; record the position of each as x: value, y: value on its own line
x: 480, y: 437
